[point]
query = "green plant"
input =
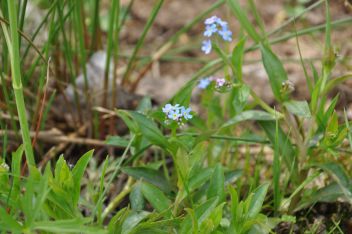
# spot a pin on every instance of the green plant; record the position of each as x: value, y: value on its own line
x: 179, y: 171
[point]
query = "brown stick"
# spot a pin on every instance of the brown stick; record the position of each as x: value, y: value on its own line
x: 54, y: 137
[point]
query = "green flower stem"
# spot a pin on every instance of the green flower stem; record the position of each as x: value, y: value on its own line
x: 112, y: 205
x: 265, y: 106
x: 13, y: 44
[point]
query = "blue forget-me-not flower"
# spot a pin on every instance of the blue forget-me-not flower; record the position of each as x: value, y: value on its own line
x: 206, y: 47
x: 204, y: 83
x: 177, y: 113
x: 214, y: 25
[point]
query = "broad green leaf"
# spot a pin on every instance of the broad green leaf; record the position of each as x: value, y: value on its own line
x: 299, y: 108
x: 125, y: 116
x: 232, y: 176
x: 117, y: 141
x: 240, y: 14
x: 329, y: 193
x: 77, y: 173
x: 156, y: 197
x: 136, y: 197
x: 133, y: 219
x: 239, y: 98
x: 257, y: 200
x: 212, y: 223
x: 217, y: 184
x: 152, y: 176
x: 340, y: 176
x: 43, y: 191
x: 199, y: 178
x: 149, y: 129
x: 201, y: 213
x: 249, y: 115
x: 275, y: 70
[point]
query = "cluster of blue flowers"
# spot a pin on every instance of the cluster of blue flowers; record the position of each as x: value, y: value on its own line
x: 177, y: 113
x: 214, y: 25
x: 219, y: 82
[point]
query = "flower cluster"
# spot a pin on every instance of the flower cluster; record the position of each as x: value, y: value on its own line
x: 214, y: 25
x: 219, y: 82
x: 177, y: 113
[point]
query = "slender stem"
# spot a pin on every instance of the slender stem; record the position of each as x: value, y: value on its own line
x: 117, y: 168
x: 112, y: 205
x: 264, y: 105
x: 16, y: 80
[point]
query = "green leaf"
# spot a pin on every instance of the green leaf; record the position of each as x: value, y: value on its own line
x: 299, y: 108
x: 125, y: 116
x: 249, y: 115
x: 237, y: 57
x: 8, y: 223
x: 16, y: 173
x: 239, y: 98
x: 340, y: 176
x: 275, y: 70
x: 217, y: 183
x: 257, y: 200
x: 199, y: 178
x: 131, y: 222
x: 156, y: 197
x: 283, y: 143
x: 136, y: 198
x: 240, y: 14
x: 329, y: 193
x: 149, y: 129
x: 67, y: 226
x: 183, y: 96
x: 152, y: 176
x: 201, y: 213
x: 117, y: 141
x: 334, y: 82
x: 144, y: 105
x: 77, y: 173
